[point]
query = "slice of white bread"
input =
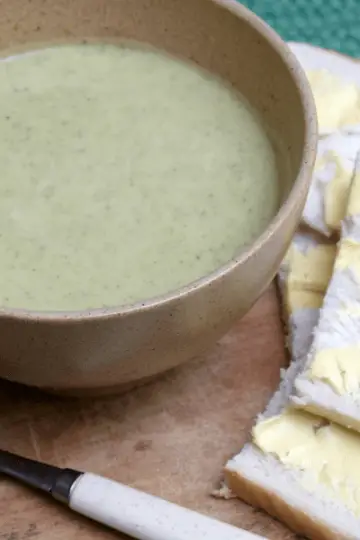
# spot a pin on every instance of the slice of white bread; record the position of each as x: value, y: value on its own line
x: 335, y: 83
x: 265, y: 482
x: 334, y: 169
x: 260, y: 478
x: 303, y: 278
x: 329, y: 384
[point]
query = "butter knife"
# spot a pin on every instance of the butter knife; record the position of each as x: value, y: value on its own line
x: 117, y: 506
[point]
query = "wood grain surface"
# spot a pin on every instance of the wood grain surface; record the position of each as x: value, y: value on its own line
x: 170, y: 438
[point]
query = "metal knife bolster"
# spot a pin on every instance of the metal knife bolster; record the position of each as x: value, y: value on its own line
x: 63, y: 484
x: 53, y: 480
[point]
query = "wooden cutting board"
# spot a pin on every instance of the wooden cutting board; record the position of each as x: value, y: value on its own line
x: 170, y: 438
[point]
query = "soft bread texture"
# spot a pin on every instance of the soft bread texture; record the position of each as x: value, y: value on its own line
x: 337, y: 102
x: 334, y: 170
x: 335, y: 83
x: 261, y: 479
x: 301, y: 289
x: 318, y: 398
x: 264, y: 482
x: 337, y: 335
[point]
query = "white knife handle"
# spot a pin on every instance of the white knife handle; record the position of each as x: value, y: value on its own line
x: 144, y: 516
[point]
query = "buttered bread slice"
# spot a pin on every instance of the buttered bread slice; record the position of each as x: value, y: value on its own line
x: 285, y: 470
x: 330, y: 185
x: 329, y: 385
x: 337, y: 101
x: 303, y: 279
x: 301, y: 469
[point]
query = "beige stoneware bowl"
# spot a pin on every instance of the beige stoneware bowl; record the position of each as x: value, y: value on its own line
x: 106, y: 350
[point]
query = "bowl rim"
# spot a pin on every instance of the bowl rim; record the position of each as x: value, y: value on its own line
x: 302, y: 181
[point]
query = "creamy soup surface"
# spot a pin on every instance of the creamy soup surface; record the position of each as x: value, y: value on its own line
x: 125, y: 174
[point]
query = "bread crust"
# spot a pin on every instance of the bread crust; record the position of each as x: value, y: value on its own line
x: 295, y: 519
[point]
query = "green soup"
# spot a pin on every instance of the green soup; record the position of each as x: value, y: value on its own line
x: 125, y: 174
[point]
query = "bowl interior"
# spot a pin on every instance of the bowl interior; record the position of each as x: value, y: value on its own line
x: 201, y: 30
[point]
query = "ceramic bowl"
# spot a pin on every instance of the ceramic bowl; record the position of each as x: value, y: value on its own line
x: 106, y: 350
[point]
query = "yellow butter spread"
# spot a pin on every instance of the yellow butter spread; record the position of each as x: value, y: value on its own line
x: 309, y: 275
x: 312, y: 270
x: 324, y: 454
x: 339, y: 368
x: 337, y: 103
x: 336, y: 193
x: 348, y: 256
x: 298, y: 299
x: 353, y: 207
x: 349, y: 249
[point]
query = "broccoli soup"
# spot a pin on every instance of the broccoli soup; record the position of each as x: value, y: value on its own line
x: 125, y: 174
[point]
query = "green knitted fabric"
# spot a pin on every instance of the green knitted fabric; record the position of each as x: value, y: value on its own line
x: 333, y: 24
